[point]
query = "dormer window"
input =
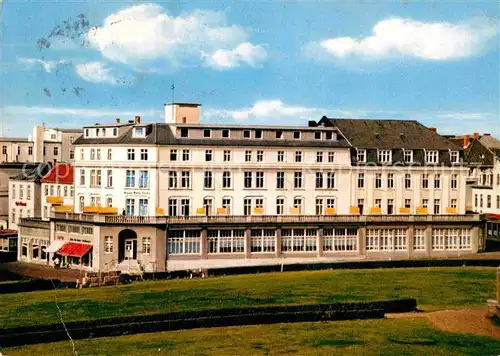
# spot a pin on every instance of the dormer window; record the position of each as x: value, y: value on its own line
x: 317, y: 135
x: 279, y: 134
x: 384, y: 156
x: 246, y: 133
x: 103, y: 132
x: 330, y: 135
x: 296, y: 135
x: 361, y: 155
x: 139, y: 132
x: 225, y: 133
x: 97, y: 132
x: 115, y: 132
x: 258, y: 134
x: 431, y: 157
x: 184, y: 132
x: 408, y: 156
x: 454, y: 157
x: 86, y: 132
x: 207, y: 133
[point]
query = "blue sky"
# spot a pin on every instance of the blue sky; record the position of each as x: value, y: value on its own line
x: 74, y: 63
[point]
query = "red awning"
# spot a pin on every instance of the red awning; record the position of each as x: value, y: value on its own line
x: 74, y: 249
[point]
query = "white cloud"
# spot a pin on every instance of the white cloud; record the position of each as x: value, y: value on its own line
x: 395, y: 37
x: 48, y: 66
x: 96, y: 72
x: 77, y: 112
x: 145, y: 36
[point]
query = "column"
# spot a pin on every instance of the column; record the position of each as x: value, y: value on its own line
x: 362, y: 240
x: 203, y: 244
x: 277, y: 243
x: 248, y: 243
x: 319, y: 242
x: 474, y: 239
x: 410, y: 240
x: 428, y: 241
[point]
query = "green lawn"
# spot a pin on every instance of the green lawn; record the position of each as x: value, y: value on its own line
x: 434, y: 288
x: 357, y: 337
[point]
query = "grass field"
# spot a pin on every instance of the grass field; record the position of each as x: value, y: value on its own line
x: 357, y: 337
x: 433, y: 288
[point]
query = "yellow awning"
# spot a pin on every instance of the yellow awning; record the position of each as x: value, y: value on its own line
x: 63, y: 208
x: 91, y: 209
x: 375, y: 210
x: 404, y: 210
x: 330, y: 211
x: 353, y: 210
x: 451, y: 210
x: 421, y: 210
x: 108, y: 210
x: 258, y: 211
x: 54, y: 200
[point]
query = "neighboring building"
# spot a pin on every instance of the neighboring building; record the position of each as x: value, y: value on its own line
x: 16, y: 150
x: 57, y: 189
x: 8, y: 245
x: 24, y: 193
x: 53, y: 145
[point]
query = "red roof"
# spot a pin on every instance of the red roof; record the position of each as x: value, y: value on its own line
x: 62, y: 173
x: 8, y: 232
x: 74, y: 249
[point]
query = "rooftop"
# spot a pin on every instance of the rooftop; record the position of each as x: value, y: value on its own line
x: 33, y: 173
x: 62, y: 173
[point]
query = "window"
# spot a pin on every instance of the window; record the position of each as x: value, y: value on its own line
x: 498, y: 201
x: 173, y: 155
x: 82, y: 176
x: 280, y: 180
x: 390, y: 180
x: 208, y: 155
x: 71, y: 154
x: 248, y: 156
x: 172, y: 207
x: 260, y: 156
x: 172, y: 179
x: 65, y: 191
x: 226, y: 179
x: 378, y: 203
x: 454, y: 157
x: 109, y: 202
x: 130, y: 206
x: 408, y: 156
x: 207, y: 133
x: 185, y: 205
x: 407, y: 181
x: 184, y: 132
x: 330, y: 180
x: 488, y: 201
x: 280, y: 206
x: 246, y: 133
x: 99, y: 180
x: 425, y: 181
x: 296, y: 135
x: 319, y: 157
x: 225, y: 133
x: 431, y: 157
x: 131, y: 154
x: 115, y: 131
x: 226, y: 204
x: 390, y: 206
x: 454, y: 181
x: 453, y: 203
x: 259, y: 179
x: 108, y: 244
x: 279, y: 134
x: 419, y: 240
x: 297, y: 180
x: 143, y: 179
x: 227, y: 156
x: 258, y: 134
x: 298, y: 156
x: 143, y: 207
x: 425, y: 203
x: 247, y: 206
x: 92, y: 154
x: 437, y: 181
x: 98, y: 151
x: 408, y: 203
x: 226, y: 241
x: 110, y: 178
x: 386, y: 239
x: 361, y: 180
x: 319, y: 180
x: 186, y: 179
x: 262, y: 240
x: 82, y: 154
x: 130, y: 181
x: 21, y: 192
x: 340, y: 239
x: 56, y: 151
x: 298, y: 240
x: 317, y: 135
x: 208, y: 204
x: 144, y: 154
x: 13, y: 193
x: 184, y: 242
x: 247, y: 179
x: 384, y: 156
x: 281, y: 156
x: 481, y: 201
x: 319, y: 206
x: 378, y: 180
x: 361, y: 155
x: 146, y: 245
x: 4, y: 150
x: 437, y: 205
x: 331, y: 157
x: 30, y: 150
x: 298, y: 203
x: 81, y: 203
x: 208, y: 180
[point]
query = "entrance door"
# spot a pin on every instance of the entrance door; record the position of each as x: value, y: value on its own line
x: 131, y: 249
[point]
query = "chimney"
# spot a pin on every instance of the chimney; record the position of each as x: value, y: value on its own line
x: 476, y: 136
x: 466, y: 141
x: 433, y: 129
x: 137, y: 119
x: 117, y: 120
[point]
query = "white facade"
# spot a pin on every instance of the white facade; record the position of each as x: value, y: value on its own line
x: 24, y: 201
x: 54, y: 194
x: 486, y: 194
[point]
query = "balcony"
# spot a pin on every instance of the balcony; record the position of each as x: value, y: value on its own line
x: 263, y: 219
x: 54, y: 200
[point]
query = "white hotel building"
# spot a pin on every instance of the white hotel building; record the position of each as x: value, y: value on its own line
x: 199, y: 195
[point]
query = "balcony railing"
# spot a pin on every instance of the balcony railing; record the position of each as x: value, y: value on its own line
x: 234, y: 219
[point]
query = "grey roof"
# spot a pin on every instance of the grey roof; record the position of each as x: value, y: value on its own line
x: 33, y: 173
x: 161, y: 134
x: 14, y: 139
x: 390, y: 134
x: 253, y: 127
